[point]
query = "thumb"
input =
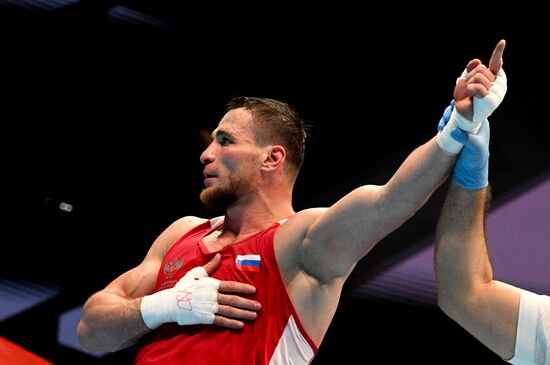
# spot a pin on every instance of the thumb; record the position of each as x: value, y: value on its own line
x: 459, y: 135
x: 446, y: 116
x: 213, y: 264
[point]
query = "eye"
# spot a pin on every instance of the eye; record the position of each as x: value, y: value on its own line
x: 223, y: 140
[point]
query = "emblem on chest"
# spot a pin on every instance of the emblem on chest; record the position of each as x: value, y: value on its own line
x: 171, y: 267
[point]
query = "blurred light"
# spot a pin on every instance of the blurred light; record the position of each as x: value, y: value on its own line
x: 125, y: 14
x: 66, y: 207
x: 17, y: 296
x: 205, y: 136
x: 39, y: 4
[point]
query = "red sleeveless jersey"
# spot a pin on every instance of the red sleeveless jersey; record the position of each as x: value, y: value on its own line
x: 276, y: 336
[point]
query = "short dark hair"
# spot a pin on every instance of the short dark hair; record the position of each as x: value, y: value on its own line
x: 278, y: 123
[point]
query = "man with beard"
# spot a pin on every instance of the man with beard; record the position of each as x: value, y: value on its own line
x: 293, y: 263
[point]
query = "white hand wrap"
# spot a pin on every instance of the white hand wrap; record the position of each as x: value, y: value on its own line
x: 193, y: 300
x: 444, y: 139
x: 483, y: 107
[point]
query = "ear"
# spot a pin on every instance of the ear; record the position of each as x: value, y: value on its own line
x: 275, y: 157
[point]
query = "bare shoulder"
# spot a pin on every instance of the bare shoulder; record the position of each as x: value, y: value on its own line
x: 291, y: 234
x: 172, y: 233
x: 141, y: 280
x: 187, y: 222
x: 183, y: 225
x: 298, y: 224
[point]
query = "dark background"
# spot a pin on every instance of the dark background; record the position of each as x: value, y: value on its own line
x: 104, y: 111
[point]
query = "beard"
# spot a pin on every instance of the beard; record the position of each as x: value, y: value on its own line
x: 238, y: 183
x: 218, y: 198
x: 223, y: 196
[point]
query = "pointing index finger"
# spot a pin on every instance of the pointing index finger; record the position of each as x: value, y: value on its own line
x: 495, y: 63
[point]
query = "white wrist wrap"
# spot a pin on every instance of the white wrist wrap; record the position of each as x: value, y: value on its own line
x: 193, y: 300
x: 444, y: 139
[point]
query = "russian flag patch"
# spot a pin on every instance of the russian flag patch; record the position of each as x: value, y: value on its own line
x: 248, y: 262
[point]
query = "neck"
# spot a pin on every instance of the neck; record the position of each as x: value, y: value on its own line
x: 254, y: 213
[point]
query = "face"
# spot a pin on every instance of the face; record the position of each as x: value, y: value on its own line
x: 232, y: 162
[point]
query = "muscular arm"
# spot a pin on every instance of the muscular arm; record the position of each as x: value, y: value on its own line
x: 325, y: 244
x: 486, y: 308
x: 111, y: 319
x: 317, y: 248
x: 352, y: 226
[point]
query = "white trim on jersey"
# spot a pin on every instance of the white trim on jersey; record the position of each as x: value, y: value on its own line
x: 214, y: 221
x: 293, y: 348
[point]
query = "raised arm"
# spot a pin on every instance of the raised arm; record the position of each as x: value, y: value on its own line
x: 117, y: 316
x: 467, y: 293
x: 351, y: 227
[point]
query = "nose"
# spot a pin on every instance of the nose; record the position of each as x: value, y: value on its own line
x: 207, y: 156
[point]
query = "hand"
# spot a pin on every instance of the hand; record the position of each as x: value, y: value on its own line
x: 232, y: 307
x: 444, y: 139
x: 471, y: 170
x: 196, y: 299
x: 446, y: 116
x: 479, y: 91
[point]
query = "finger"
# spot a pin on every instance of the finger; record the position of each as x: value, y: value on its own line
x: 460, y: 91
x: 482, y: 79
x: 477, y: 90
x: 213, y: 264
x: 238, y: 302
x: 236, y: 287
x: 446, y: 116
x: 229, y: 323
x: 495, y: 63
x: 481, y: 70
x: 473, y: 64
x: 236, y: 313
x: 465, y: 107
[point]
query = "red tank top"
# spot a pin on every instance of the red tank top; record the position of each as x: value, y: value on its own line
x: 276, y: 336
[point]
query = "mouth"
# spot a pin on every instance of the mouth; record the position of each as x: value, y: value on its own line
x: 208, y: 177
